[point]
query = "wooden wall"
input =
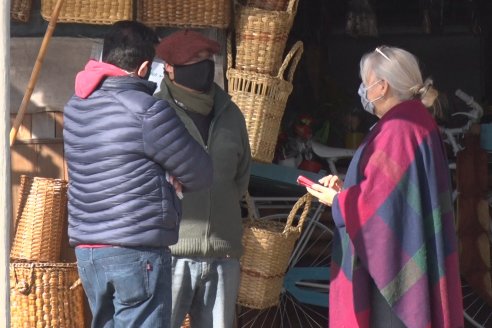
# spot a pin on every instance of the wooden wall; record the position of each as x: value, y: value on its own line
x: 38, y: 151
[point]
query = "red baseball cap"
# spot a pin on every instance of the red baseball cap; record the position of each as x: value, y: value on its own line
x: 182, y: 46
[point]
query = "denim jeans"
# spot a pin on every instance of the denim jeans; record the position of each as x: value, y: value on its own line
x: 207, y: 289
x: 127, y: 287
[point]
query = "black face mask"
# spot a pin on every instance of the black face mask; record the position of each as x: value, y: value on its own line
x: 198, y: 76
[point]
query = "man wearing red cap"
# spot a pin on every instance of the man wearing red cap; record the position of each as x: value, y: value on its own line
x: 206, y: 258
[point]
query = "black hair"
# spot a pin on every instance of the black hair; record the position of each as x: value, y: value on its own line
x: 128, y: 44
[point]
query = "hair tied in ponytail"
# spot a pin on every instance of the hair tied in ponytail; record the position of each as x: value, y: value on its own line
x: 427, y: 85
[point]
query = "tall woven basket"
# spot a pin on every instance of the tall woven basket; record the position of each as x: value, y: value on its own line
x: 45, y: 295
x: 268, y: 246
x: 99, y: 12
x: 261, y: 36
x: 262, y: 99
x: 40, y: 219
x: 185, y: 13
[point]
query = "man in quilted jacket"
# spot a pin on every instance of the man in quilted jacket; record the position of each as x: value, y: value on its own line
x: 129, y: 157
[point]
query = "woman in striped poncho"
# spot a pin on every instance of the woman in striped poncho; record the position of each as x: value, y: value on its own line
x: 395, y: 259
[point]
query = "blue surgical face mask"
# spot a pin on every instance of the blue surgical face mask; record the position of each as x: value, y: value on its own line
x: 367, y: 104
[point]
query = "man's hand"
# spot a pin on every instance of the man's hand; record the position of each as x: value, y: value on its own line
x: 178, y: 187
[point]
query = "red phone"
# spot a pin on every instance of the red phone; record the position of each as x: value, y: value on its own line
x: 303, y: 181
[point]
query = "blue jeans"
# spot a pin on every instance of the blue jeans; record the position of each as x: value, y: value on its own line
x: 207, y: 289
x: 127, y: 287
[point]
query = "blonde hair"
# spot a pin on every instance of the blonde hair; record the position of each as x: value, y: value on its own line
x: 401, y: 70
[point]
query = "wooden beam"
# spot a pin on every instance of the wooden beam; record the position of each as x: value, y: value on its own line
x: 5, y: 191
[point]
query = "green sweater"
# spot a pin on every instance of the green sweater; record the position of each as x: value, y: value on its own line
x: 211, y: 225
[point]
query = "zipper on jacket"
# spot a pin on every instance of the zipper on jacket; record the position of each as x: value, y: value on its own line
x: 207, y: 233
x: 206, y: 246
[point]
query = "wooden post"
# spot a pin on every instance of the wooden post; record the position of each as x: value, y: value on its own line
x: 35, y: 71
x: 473, y: 220
x: 5, y: 193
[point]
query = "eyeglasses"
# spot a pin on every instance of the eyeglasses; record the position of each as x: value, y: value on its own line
x: 379, y: 51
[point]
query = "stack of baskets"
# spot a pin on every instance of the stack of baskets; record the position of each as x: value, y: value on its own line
x: 268, y: 245
x: 185, y: 13
x: 44, y: 291
x: 103, y: 12
x: 256, y: 74
x: 176, y: 13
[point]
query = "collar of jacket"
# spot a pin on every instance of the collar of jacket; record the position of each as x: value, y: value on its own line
x: 221, y: 99
x: 129, y: 83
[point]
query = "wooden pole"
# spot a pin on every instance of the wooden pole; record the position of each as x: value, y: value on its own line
x: 5, y: 190
x: 35, y: 72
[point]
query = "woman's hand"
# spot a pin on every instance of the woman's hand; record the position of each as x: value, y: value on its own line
x: 324, y: 194
x: 332, y: 181
x: 327, y: 189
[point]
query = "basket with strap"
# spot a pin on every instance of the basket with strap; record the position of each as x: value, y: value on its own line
x: 268, y: 246
x: 41, y: 218
x: 262, y: 99
x: 20, y: 10
x: 45, y: 295
x: 261, y: 36
x: 185, y: 13
x: 99, y: 12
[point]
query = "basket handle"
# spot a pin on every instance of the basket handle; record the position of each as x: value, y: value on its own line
x: 229, y: 50
x: 292, y: 6
x: 76, y: 284
x: 23, y: 286
x: 303, y: 201
x: 252, y: 211
x: 291, y: 60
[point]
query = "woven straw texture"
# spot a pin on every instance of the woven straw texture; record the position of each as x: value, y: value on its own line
x: 20, y: 10
x: 268, y: 246
x: 185, y: 13
x: 41, y: 216
x: 41, y: 295
x: 99, y: 12
x: 186, y: 322
x: 278, y: 5
x: 262, y: 99
x: 261, y: 36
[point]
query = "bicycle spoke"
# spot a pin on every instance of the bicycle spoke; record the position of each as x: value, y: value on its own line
x: 303, y: 310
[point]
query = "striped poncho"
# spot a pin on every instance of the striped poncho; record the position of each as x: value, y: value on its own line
x: 395, y: 227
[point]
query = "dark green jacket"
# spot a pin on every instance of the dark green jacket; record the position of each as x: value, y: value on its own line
x: 211, y: 225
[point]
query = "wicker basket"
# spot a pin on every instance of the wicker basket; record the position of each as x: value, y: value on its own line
x: 278, y: 5
x: 261, y: 36
x: 185, y: 13
x: 101, y: 12
x: 268, y: 246
x: 186, y: 322
x: 45, y: 295
x: 20, y: 10
x: 262, y: 99
x: 41, y: 217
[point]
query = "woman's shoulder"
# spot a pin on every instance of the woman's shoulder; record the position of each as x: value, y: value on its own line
x: 411, y: 114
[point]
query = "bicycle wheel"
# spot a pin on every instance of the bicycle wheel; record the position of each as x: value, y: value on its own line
x: 476, y: 311
x: 304, y: 296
